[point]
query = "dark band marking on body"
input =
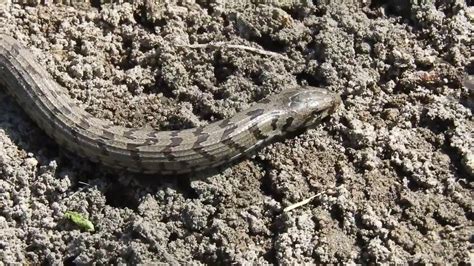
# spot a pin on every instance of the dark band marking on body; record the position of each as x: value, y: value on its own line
x: 234, y: 145
x: 228, y: 131
x: 287, y: 124
x: 224, y: 123
x: 274, y: 122
x: 150, y: 142
x: 256, y: 132
x: 198, y: 148
x: 130, y: 133
x: 107, y: 134
x: 255, y: 113
x: 198, y: 131
x: 152, y: 135
x: 168, y: 150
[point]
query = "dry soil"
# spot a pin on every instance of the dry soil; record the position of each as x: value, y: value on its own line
x: 391, y: 171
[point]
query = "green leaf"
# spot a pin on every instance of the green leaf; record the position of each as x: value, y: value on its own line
x: 79, y: 220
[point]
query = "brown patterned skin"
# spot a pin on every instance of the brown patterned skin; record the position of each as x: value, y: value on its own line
x: 146, y: 150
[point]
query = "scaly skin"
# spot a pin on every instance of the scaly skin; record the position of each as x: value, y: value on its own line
x: 147, y: 150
